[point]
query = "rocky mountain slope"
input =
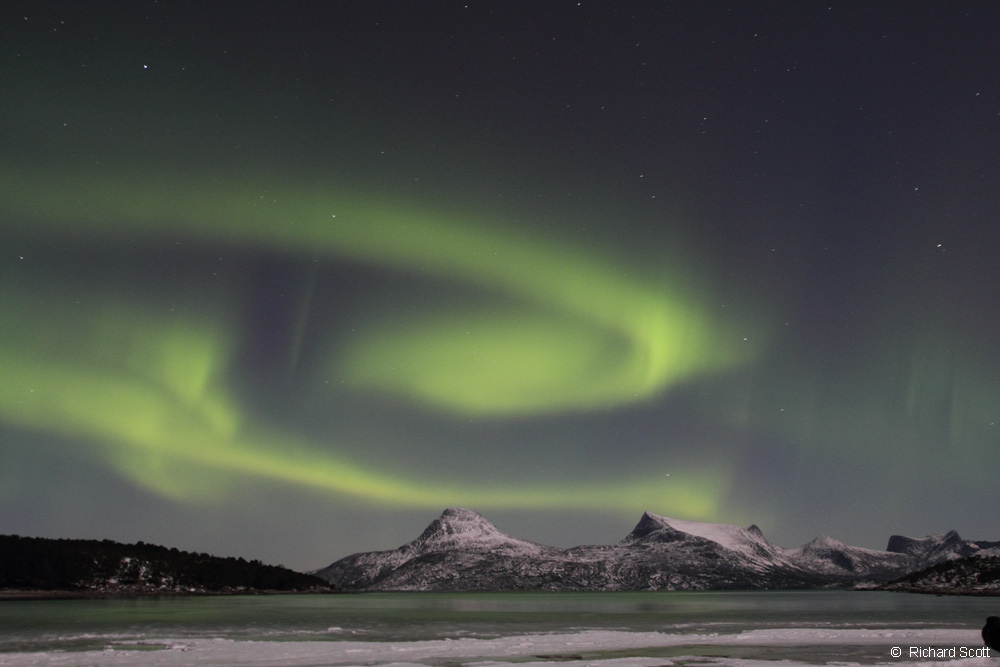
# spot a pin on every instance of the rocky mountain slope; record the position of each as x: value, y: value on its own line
x: 975, y: 575
x: 829, y: 557
x: 461, y: 550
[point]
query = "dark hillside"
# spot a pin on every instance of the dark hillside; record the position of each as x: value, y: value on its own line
x: 93, y: 566
x: 976, y: 575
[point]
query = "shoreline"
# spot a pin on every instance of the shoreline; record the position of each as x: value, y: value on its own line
x: 971, y: 592
x: 39, y: 594
x: 63, y: 594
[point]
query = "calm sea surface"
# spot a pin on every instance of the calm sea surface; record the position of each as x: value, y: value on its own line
x: 808, y: 627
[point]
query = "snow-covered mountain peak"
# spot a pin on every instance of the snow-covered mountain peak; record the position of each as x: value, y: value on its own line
x: 459, y: 528
x: 835, y: 558
x: 933, y: 548
x: 823, y: 542
x: 460, y: 515
x: 648, y: 525
x: 747, y: 541
x: 905, y: 544
x: 825, y: 547
x: 730, y: 536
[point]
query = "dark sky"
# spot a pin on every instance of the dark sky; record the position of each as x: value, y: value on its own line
x: 285, y: 280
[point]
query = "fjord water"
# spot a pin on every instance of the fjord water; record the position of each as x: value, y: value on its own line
x: 640, y: 628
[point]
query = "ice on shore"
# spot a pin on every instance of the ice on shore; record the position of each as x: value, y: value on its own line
x: 601, y: 648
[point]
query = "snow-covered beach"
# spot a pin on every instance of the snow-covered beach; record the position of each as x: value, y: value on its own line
x: 784, y: 646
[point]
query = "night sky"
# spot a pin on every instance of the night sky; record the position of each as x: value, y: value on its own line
x: 285, y: 280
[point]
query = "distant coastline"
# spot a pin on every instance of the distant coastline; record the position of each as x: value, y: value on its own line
x: 968, y: 592
x: 975, y: 575
x: 11, y: 594
x: 41, y: 568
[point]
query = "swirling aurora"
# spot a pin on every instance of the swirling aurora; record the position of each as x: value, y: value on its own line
x: 150, y: 391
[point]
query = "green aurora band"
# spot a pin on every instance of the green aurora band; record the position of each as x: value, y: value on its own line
x: 572, y: 331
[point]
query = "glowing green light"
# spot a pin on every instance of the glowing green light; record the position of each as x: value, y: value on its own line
x: 520, y: 363
x: 189, y: 439
x: 570, y: 330
x: 589, y: 333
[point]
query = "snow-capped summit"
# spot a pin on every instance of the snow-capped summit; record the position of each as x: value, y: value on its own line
x: 459, y: 528
x: 933, y: 548
x: 749, y: 542
x: 456, y: 542
x: 833, y: 557
x: 651, y: 527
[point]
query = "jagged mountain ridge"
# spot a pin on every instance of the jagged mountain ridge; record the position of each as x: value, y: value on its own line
x: 462, y: 550
x: 975, y: 575
x: 832, y: 557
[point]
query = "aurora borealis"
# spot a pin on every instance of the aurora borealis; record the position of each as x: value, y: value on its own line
x: 285, y: 284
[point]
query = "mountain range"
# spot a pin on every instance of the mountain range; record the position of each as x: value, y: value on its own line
x: 461, y: 550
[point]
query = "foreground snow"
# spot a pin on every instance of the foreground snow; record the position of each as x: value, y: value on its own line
x: 786, y: 647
